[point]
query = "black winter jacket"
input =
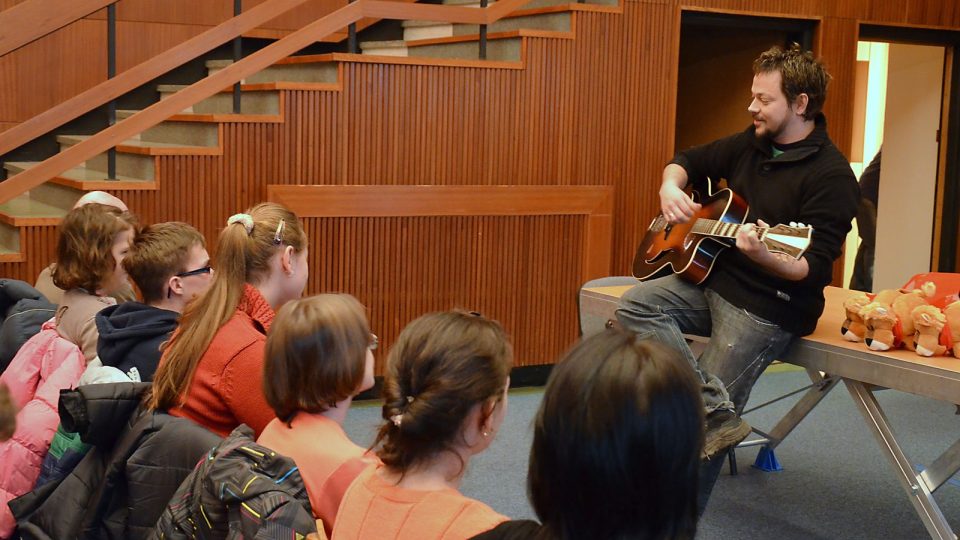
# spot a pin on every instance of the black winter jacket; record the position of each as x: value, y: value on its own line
x: 23, y: 309
x: 811, y: 183
x: 240, y: 490
x: 122, y: 485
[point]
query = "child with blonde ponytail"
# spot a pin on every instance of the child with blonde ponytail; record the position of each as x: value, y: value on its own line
x: 212, y: 370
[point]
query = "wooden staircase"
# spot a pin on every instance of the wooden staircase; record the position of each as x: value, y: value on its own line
x: 198, y: 131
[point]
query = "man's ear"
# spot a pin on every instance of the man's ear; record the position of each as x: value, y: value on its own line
x: 800, y: 104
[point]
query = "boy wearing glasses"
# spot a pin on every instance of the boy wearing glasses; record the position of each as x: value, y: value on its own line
x: 169, y: 264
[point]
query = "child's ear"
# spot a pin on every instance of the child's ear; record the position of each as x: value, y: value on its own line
x: 286, y: 260
x: 174, y: 286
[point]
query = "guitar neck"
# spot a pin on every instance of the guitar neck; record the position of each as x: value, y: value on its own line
x: 721, y: 229
x: 792, y: 241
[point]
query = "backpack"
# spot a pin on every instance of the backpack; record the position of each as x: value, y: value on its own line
x: 240, y: 489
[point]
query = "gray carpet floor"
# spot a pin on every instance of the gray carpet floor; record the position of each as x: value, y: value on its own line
x: 835, y: 482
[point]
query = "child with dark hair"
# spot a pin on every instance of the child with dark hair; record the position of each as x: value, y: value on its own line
x: 445, y: 395
x: 616, y: 445
x: 317, y: 358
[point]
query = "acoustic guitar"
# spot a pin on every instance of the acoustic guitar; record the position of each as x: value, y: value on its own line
x: 691, y: 248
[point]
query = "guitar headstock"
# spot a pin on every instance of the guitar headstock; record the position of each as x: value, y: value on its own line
x: 791, y: 241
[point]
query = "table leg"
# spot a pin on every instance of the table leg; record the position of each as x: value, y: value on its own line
x: 943, y: 468
x: 802, y: 408
x: 916, y: 489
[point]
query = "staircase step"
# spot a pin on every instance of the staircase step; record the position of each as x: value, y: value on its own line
x: 10, y: 244
x: 291, y: 69
x: 146, y: 148
x: 384, y: 48
x: 498, y: 50
x: 83, y: 179
x: 466, y: 3
x: 173, y: 132
x: 24, y: 210
x: 555, y: 21
x: 129, y: 165
x: 501, y: 46
x: 252, y: 101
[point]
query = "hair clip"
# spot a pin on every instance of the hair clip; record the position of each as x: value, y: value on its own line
x: 410, y: 399
x: 244, y: 219
x: 397, y: 419
x: 278, y: 236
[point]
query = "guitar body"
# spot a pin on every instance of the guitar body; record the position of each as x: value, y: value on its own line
x: 689, y: 254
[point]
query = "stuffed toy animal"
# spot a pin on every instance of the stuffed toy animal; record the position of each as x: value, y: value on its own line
x: 952, y: 314
x: 853, y: 328
x: 887, y: 296
x: 883, y: 328
x: 929, y: 323
x: 904, y: 305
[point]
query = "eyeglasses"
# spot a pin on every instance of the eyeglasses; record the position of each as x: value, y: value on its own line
x: 278, y: 236
x: 205, y: 270
x: 374, y: 342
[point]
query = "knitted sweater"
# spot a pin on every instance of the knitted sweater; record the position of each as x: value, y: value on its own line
x: 226, y: 389
x: 811, y: 183
x: 374, y: 508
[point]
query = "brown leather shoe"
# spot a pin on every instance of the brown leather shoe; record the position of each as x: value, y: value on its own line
x: 724, y: 429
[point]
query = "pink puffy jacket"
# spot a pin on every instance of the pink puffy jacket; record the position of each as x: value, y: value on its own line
x: 46, y: 364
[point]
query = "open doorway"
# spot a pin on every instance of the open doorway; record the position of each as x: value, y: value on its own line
x: 905, y: 84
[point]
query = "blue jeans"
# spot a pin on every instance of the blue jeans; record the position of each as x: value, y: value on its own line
x: 741, y: 344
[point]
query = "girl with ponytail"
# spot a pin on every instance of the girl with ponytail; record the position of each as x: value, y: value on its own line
x: 445, y: 396
x: 211, y: 371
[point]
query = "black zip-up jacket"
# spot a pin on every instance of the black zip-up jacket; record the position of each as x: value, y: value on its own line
x: 811, y: 183
x: 121, y: 487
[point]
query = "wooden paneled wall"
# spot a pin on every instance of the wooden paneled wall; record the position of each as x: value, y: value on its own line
x: 515, y: 253
x: 594, y: 110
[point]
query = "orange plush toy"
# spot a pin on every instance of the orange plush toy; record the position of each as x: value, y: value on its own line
x: 952, y: 314
x: 887, y: 296
x: 929, y: 323
x: 904, y: 305
x: 883, y: 328
x: 853, y: 328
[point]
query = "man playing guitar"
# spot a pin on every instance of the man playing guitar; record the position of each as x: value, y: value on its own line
x: 754, y: 302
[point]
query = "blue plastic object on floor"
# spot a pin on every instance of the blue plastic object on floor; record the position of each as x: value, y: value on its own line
x: 767, y: 460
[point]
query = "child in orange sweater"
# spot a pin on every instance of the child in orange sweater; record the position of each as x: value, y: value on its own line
x: 318, y: 357
x: 445, y: 396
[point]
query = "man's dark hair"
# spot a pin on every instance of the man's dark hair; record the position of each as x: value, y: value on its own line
x: 800, y: 73
x: 617, y: 441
